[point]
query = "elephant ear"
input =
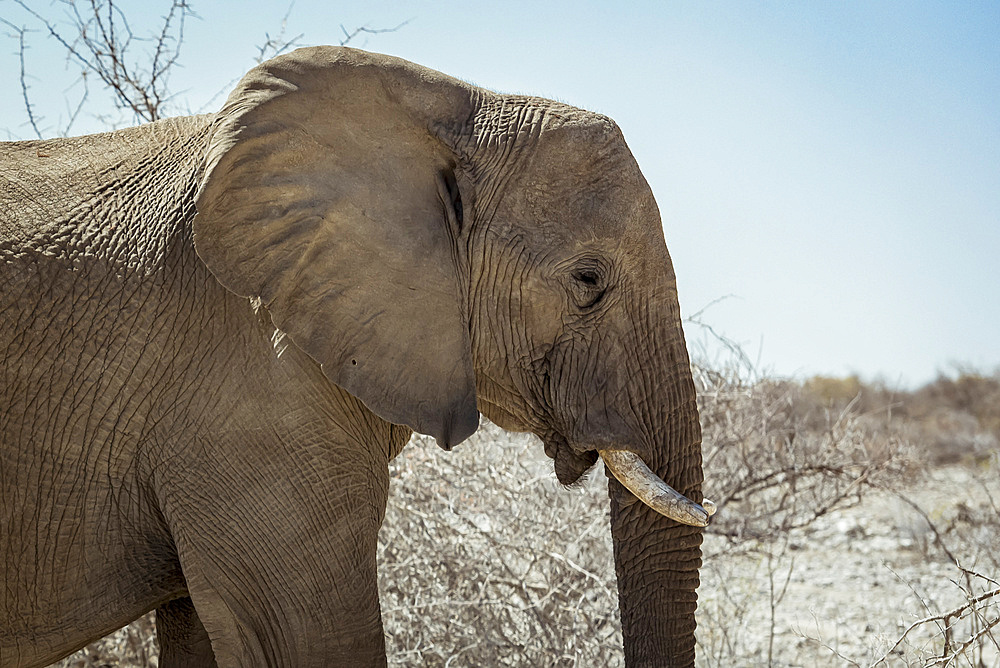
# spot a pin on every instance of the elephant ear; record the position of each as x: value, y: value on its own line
x: 322, y: 196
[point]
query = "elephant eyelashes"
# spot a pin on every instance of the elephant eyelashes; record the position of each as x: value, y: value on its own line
x: 589, y: 288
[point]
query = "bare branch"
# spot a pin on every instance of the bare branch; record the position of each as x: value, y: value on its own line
x: 103, y: 43
x: 938, y: 539
x: 348, y: 36
x: 279, y: 44
x: 20, y: 32
x: 74, y: 113
x: 945, y: 618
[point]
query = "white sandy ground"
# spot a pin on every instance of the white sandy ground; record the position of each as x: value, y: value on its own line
x: 856, y: 580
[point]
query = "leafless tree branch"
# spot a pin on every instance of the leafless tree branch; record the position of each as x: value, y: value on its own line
x: 134, y: 66
x: 101, y: 42
x: 349, y: 36
x: 945, y: 618
x: 19, y: 32
x: 74, y: 112
x: 279, y: 44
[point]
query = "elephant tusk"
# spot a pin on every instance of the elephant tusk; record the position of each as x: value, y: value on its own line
x: 636, y: 476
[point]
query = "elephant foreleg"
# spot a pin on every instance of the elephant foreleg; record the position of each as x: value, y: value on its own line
x: 278, y: 555
x: 183, y: 640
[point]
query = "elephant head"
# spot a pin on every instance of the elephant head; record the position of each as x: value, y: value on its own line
x: 442, y: 250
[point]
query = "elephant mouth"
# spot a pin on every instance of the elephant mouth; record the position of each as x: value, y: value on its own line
x: 634, y: 474
x: 569, y: 464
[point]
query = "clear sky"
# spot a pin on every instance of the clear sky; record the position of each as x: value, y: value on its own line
x: 830, y: 169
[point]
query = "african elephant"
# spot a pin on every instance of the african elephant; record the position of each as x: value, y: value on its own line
x: 217, y: 331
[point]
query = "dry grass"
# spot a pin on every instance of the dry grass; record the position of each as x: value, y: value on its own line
x: 486, y: 560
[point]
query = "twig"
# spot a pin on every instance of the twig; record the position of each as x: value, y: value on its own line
x: 275, y: 46
x: 348, y: 36
x: 75, y: 113
x: 102, y: 44
x: 775, y: 600
x: 944, y: 617
x: 20, y: 31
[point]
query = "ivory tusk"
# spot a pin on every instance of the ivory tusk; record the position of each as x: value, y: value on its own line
x: 633, y: 473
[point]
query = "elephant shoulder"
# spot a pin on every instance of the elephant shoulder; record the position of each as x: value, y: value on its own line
x: 59, y: 189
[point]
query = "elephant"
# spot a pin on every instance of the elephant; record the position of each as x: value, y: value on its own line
x: 217, y: 331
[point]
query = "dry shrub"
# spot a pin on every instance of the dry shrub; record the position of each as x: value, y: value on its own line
x: 779, y: 456
x: 486, y: 560
x: 968, y: 391
x: 957, y: 418
x: 950, y: 437
x: 810, y: 475
x: 131, y: 646
x: 776, y: 460
x: 961, y: 628
x: 833, y: 391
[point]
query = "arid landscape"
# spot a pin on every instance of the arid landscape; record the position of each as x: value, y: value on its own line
x: 839, y: 160
x: 857, y: 527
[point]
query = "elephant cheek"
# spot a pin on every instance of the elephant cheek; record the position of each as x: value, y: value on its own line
x: 540, y: 308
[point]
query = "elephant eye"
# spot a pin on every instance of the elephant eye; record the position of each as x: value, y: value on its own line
x: 589, y: 288
x: 587, y: 277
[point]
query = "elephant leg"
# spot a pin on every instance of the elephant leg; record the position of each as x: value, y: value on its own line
x: 183, y: 640
x: 278, y: 553
x: 281, y: 599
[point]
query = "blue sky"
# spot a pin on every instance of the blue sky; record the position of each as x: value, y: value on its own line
x: 830, y: 171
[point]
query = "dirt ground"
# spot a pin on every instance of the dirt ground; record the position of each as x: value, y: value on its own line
x: 850, y: 584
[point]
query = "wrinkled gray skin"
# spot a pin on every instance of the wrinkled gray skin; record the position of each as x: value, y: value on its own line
x: 414, y: 249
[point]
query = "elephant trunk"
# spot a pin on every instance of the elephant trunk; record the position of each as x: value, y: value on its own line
x: 657, y: 558
x: 657, y: 569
